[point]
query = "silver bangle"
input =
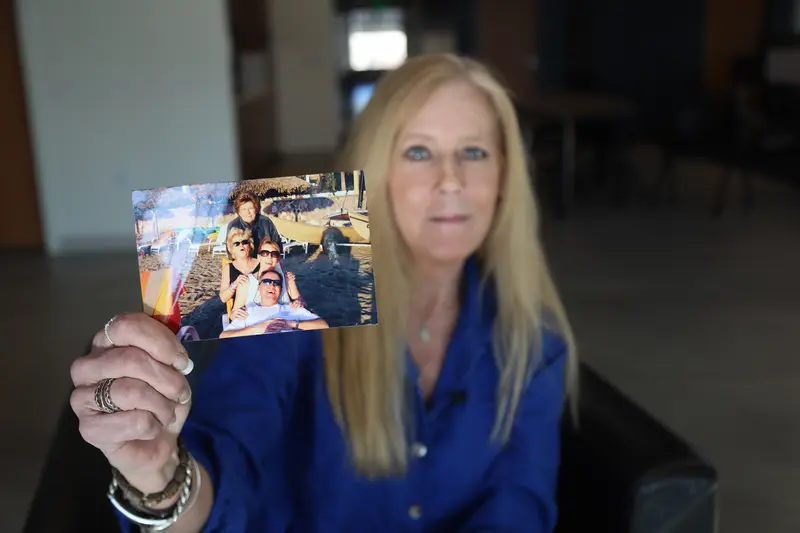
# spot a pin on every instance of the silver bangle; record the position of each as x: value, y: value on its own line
x: 187, y: 498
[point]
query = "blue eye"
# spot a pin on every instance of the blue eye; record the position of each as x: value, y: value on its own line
x: 418, y: 153
x: 475, y: 154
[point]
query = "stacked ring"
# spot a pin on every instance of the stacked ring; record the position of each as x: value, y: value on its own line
x: 102, y: 396
x: 105, y: 331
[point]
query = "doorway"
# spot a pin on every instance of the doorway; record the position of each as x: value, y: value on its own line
x: 22, y: 228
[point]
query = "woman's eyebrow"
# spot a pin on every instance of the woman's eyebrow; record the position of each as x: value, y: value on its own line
x: 415, y: 135
x: 471, y: 137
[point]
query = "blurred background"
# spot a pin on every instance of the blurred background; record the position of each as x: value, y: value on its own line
x: 664, y: 135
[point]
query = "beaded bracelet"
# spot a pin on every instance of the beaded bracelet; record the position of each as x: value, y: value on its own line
x: 134, y: 505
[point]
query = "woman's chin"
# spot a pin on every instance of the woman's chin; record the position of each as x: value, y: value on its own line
x: 446, y: 252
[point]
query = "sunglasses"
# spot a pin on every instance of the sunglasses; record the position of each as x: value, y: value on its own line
x: 272, y: 253
x: 268, y: 281
x: 236, y: 244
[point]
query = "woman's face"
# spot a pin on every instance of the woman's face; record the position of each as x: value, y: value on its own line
x: 240, y: 247
x: 247, y: 212
x: 445, y: 174
x: 268, y: 257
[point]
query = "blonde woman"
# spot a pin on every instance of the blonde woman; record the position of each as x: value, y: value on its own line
x: 242, y: 262
x: 269, y: 258
x: 444, y: 417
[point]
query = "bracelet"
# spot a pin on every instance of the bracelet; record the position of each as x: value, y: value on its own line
x: 127, y: 501
x: 148, y: 501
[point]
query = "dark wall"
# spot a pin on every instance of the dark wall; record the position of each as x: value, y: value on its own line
x: 552, y: 46
x: 780, y: 22
x: 651, y: 52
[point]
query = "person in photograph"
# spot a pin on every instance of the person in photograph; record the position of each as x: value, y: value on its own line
x: 249, y: 217
x: 444, y: 416
x: 239, y: 243
x: 271, y: 316
x: 269, y: 258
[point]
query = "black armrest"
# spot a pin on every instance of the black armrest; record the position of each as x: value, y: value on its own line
x: 622, y: 471
x: 71, y: 495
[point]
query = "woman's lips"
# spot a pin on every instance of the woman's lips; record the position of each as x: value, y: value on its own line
x: 450, y: 219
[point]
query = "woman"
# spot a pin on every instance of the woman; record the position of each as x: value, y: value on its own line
x: 443, y: 417
x: 240, y: 251
x: 269, y: 258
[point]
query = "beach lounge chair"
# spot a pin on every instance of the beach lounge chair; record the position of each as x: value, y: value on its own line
x: 165, y: 240
x: 196, y: 247
x: 221, y: 248
x: 288, y: 244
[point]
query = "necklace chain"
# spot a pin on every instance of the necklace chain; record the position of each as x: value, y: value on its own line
x: 424, y: 334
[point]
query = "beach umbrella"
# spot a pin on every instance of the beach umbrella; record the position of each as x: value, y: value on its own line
x: 161, y: 291
x: 272, y: 187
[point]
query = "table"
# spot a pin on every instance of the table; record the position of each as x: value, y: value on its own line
x: 569, y: 108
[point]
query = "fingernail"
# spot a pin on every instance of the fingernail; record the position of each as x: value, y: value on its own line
x: 185, y: 396
x: 189, y: 367
x: 182, y: 363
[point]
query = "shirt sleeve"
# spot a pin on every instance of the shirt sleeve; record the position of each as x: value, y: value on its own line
x: 301, y: 314
x: 236, y: 325
x: 520, y: 491
x: 236, y: 431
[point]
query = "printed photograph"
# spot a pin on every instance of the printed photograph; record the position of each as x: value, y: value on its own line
x: 271, y: 255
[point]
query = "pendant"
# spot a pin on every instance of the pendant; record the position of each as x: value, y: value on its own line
x: 424, y: 334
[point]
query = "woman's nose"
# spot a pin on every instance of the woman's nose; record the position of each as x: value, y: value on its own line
x: 451, y: 175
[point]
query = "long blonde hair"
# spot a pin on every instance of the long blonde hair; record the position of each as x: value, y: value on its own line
x: 365, y: 367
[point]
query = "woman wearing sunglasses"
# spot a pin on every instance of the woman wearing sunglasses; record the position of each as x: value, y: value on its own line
x: 269, y: 258
x: 240, y: 252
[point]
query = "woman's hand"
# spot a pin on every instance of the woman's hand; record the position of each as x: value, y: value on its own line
x: 145, y: 361
x: 295, y: 304
x: 238, y: 282
x: 239, y: 314
x: 290, y: 277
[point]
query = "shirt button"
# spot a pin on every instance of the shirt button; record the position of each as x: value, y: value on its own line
x: 415, y: 512
x: 419, y: 450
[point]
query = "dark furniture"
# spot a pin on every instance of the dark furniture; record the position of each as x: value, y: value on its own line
x: 621, y: 472
x: 576, y: 115
x: 754, y: 132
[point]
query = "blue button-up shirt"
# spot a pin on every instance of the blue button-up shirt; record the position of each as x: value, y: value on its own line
x: 263, y: 427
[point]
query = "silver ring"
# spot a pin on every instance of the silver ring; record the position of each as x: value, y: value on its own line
x: 102, y: 396
x: 105, y: 331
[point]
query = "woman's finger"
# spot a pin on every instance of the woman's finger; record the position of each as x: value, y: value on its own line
x: 128, y: 394
x: 105, y: 431
x: 147, y: 333
x: 130, y: 362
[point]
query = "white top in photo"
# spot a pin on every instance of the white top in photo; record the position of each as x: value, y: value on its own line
x: 257, y: 314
